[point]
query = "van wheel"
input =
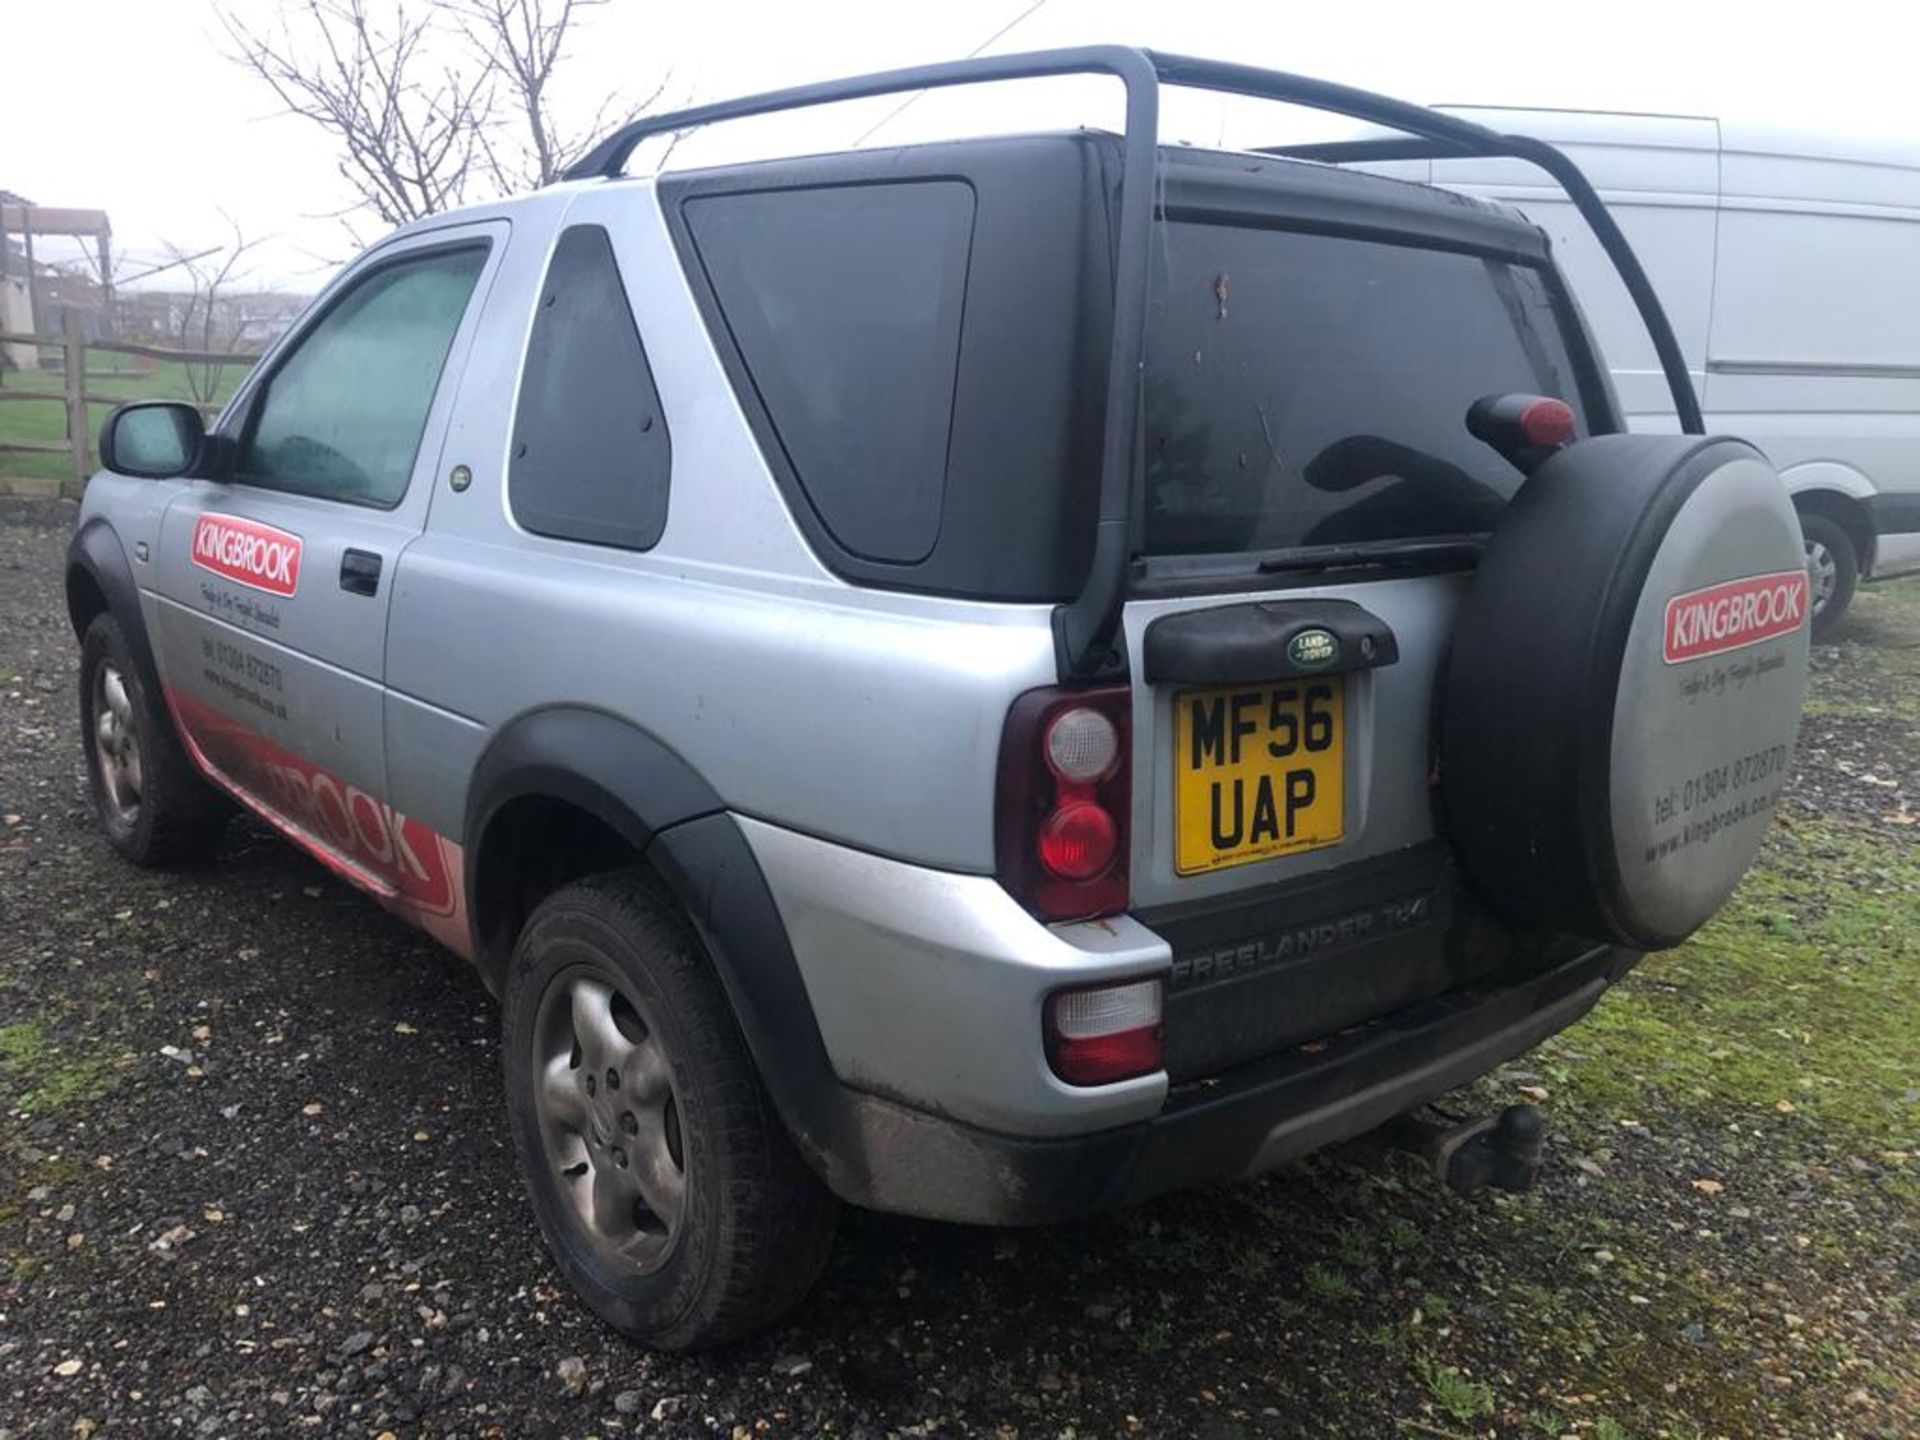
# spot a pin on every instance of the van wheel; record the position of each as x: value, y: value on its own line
x: 1833, y: 565
x: 155, y: 807
x: 666, y: 1186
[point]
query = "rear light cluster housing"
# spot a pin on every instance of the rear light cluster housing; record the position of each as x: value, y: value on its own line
x: 1063, y: 814
x: 1063, y: 821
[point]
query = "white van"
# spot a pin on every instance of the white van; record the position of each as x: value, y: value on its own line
x: 1790, y: 266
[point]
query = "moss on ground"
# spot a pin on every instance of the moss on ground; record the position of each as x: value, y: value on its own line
x: 1802, y: 999
x: 39, y: 1074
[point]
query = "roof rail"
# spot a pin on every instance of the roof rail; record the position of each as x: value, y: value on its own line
x: 1086, y: 628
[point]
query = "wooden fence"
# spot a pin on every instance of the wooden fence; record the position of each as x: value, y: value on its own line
x: 74, y: 395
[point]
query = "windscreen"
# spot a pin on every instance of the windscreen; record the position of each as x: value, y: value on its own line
x: 1307, y: 389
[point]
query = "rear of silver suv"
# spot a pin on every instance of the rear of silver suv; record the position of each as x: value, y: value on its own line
x: 1228, y: 847
x: 988, y: 680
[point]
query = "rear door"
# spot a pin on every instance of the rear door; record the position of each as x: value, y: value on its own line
x: 274, y: 585
x: 1311, y: 501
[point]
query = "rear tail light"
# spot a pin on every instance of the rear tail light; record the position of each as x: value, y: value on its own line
x: 1063, y: 812
x: 1104, y: 1033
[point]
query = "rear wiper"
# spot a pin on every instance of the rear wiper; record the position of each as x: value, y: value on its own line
x: 1380, y: 554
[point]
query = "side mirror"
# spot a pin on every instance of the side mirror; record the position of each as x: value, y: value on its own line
x: 153, y: 439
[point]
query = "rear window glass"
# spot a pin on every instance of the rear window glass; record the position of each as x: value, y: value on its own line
x: 845, y: 303
x: 1312, y: 390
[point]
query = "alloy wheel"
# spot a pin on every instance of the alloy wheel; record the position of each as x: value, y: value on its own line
x: 116, y: 744
x: 1824, y: 571
x: 609, y: 1118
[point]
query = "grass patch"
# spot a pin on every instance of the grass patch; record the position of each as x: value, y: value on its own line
x: 46, y: 420
x: 1799, y: 1000
x: 1873, y: 674
x: 1326, y: 1282
x: 39, y: 1075
x: 1454, y: 1394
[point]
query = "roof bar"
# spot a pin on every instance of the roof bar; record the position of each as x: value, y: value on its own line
x: 1086, y: 628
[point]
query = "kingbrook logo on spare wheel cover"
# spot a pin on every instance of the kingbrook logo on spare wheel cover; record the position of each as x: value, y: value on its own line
x: 1314, y: 648
x: 1734, y: 615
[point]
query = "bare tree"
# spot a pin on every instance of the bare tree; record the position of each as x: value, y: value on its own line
x: 408, y: 122
x: 521, y: 44
x: 206, y: 318
x: 433, y: 102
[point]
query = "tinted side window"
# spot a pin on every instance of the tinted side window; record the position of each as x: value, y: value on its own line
x: 342, y: 416
x: 590, y: 449
x: 845, y: 303
x: 1311, y: 389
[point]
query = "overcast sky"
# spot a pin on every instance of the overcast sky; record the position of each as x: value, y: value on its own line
x: 171, y: 132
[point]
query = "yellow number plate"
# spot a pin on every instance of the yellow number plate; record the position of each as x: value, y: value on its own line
x: 1258, y: 771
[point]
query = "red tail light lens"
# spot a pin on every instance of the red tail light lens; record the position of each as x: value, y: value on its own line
x: 1105, y: 1033
x: 1077, y: 841
x: 1063, y: 811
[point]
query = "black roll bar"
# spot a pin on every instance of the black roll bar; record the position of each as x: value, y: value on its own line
x: 1086, y: 627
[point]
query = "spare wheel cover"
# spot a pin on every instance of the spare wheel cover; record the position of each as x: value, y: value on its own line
x: 1624, y: 689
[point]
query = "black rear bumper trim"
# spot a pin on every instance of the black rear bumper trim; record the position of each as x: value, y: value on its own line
x: 1253, y: 1119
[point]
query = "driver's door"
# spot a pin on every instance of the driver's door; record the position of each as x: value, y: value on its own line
x: 273, y: 583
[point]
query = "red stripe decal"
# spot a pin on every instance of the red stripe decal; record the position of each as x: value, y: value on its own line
x: 406, y: 865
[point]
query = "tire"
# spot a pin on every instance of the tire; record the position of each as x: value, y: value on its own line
x: 156, y: 808
x: 608, y: 979
x: 1623, y: 692
x: 1833, y: 566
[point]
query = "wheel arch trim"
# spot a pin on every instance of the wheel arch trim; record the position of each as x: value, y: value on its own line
x: 1849, y: 508
x: 96, y: 553
x: 1813, y: 475
x: 665, y: 810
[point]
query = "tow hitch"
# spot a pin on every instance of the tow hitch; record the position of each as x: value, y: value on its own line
x: 1500, y: 1150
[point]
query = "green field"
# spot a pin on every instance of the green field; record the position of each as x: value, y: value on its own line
x: 46, y: 420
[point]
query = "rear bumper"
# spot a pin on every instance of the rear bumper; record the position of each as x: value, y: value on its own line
x: 1253, y: 1119
x: 927, y: 989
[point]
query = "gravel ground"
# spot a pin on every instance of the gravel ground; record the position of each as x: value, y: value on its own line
x: 254, y: 1179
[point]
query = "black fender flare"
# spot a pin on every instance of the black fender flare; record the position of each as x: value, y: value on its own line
x: 96, y: 552
x: 654, y: 799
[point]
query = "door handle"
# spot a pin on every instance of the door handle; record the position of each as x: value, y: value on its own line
x: 359, y: 572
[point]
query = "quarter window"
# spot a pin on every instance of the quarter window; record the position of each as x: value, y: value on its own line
x: 591, y: 456
x: 845, y: 302
x: 342, y: 416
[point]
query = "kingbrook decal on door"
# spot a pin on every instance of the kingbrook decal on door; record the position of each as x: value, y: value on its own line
x: 263, y: 556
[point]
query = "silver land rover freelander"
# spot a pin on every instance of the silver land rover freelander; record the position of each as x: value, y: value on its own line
x: 987, y: 680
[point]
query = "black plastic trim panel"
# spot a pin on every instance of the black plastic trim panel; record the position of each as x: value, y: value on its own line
x: 1895, y: 514
x: 1235, y: 644
x: 96, y: 552
x: 1263, y: 1115
x: 1255, y: 973
x: 660, y: 805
